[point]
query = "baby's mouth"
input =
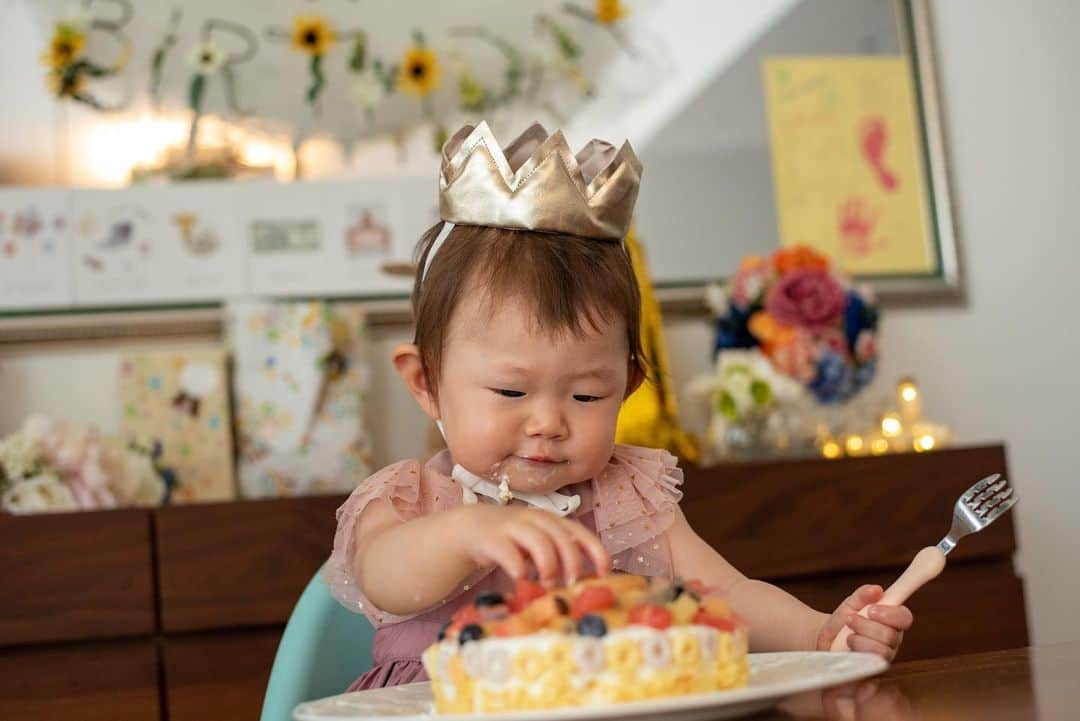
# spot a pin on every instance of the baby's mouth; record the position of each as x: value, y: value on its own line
x: 542, y: 460
x: 529, y: 472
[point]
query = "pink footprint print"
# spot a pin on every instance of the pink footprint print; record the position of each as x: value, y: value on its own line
x: 873, y: 136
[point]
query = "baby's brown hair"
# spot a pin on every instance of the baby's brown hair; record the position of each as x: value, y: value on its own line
x: 573, y: 284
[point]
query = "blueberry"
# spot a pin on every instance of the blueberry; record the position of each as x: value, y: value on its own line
x: 562, y: 605
x: 679, y: 589
x: 442, y: 630
x: 489, y: 599
x: 472, y: 632
x: 592, y: 625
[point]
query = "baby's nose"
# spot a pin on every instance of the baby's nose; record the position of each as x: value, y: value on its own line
x: 546, y: 420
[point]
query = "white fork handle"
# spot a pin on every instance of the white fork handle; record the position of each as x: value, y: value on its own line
x: 925, y: 567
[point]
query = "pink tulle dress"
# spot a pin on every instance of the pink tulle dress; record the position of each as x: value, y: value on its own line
x: 629, y: 505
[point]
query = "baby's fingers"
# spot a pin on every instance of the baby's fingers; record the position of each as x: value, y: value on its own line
x: 875, y: 631
x: 504, y: 553
x: 899, y: 617
x: 595, y: 550
x: 857, y: 642
x: 569, y: 556
x: 540, y: 547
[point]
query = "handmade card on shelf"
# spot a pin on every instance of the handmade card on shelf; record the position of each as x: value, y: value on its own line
x: 180, y: 400
x: 848, y: 162
x: 301, y: 375
x: 35, y: 259
x: 323, y: 238
x: 115, y: 246
x: 200, y: 249
x: 149, y: 246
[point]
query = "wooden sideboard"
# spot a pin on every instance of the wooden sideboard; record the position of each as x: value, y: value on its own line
x: 164, y: 613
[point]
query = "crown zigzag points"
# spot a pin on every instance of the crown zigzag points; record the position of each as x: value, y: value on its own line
x: 538, y: 183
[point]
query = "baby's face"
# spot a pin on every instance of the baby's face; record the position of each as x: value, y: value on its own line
x: 541, y: 407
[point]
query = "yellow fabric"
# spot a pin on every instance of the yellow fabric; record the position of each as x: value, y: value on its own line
x: 650, y: 416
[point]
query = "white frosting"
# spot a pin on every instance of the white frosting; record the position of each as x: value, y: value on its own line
x: 489, y: 660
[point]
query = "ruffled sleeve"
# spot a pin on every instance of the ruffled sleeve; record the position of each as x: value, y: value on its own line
x: 398, y: 484
x: 412, y: 491
x: 635, y: 500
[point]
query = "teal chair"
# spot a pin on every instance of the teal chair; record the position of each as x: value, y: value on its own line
x: 323, y: 649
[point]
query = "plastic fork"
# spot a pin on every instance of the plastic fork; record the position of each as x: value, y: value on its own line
x: 977, y: 508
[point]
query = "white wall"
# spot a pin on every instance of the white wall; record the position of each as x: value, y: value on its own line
x: 1005, y: 365
x: 1000, y: 367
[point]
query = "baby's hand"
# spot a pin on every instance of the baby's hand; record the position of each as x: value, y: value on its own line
x: 880, y: 633
x: 510, y: 536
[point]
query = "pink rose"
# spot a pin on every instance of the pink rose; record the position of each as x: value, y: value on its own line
x: 809, y: 299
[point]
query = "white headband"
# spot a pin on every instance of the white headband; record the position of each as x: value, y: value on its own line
x: 439, y: 240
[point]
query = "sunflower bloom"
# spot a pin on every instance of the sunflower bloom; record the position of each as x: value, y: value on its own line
x: 610, y: 11
x: 66, y: 45
x: 312, y: 34
x: 419, y: 73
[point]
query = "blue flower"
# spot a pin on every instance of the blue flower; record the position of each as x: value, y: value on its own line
x: 834, y: 381
x: 864, y: 373
x: 732, y: 330
x: 858, y: 316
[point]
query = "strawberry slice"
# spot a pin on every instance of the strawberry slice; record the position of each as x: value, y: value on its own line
x: 525, y: 592
x: 704, y: 618
x: 592, y: 599
x: 651, y: 614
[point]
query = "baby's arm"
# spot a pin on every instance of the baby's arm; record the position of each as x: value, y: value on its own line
x: 778, y: 621
x: 406, y: 566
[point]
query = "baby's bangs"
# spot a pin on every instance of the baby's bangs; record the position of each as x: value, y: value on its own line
x: 570, y: 284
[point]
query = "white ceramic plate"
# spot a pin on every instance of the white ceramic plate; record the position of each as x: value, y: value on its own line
x: 773, y: 676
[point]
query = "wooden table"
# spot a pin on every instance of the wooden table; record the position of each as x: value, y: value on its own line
x: 1039, y: 682
x: 160, y: 614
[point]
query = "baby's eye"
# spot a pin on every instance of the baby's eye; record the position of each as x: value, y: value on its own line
x: 506, y: 392
x: 581, y: 397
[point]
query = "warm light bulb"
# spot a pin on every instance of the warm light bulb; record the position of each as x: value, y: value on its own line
x: 258, y: 153
x: 924, y: 443
x: 831, y: 449
x: 879, y: 447
x: 854, y: 445
x: 891, y: 425
x: 908, y: 392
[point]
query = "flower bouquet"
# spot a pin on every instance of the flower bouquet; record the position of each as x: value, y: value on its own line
x: 745, y: 392
x: 809, y: 321
x: 50, y: 466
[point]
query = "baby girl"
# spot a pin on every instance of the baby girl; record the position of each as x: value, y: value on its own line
x: 526, y: 344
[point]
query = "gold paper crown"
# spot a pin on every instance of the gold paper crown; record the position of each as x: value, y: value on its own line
x: 537, y: 183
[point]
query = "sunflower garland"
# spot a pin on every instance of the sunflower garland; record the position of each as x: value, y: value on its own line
x: 609, y: 15
x: 472, y: 95
x: 418, y: 73
x: 68, y: 66
x: 372, y: 82
x: 314, y: 36
x: 157, y: 60
x: 208, y: 59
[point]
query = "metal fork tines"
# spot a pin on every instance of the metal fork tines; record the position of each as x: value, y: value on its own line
x: 977, y: 508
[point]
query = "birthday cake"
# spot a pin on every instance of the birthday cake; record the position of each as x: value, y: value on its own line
x: 601, y: 641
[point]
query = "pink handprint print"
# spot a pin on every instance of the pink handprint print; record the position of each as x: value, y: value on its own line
x: 873, y: 137
x: 856, y: 225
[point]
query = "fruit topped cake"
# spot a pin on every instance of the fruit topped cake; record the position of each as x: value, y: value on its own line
x: 601, y: 641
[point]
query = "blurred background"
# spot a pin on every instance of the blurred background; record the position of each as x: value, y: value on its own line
x: 208, y: 210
